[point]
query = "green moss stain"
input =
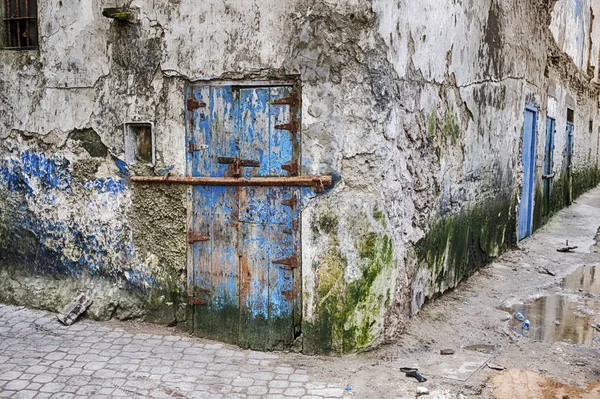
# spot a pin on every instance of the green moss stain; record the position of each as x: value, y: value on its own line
x: 584, y: 179
x: 563, y: 191
x: 457, y: 245
x: 538, y: 208
x: 347, y: 309
x: 450, y: 128
x: 328, y: 223
x: 432, y: 123
x: 379, y: 216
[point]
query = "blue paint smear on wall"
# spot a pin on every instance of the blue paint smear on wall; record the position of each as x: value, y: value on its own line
x: 50, y: 247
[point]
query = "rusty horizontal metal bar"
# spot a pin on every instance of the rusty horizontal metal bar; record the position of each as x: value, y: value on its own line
x: 241, y: 162
x: 316, y: 181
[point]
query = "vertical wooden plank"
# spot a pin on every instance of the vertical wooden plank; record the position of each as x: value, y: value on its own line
x: 202, y: 159
x: 224, y: 305
x: 284, y: 203
x: 199, y: 164
x: 254, y: 129
x: 215, y: 210
x: 282, y: 251
x: 224, y: 120
x: 280, y: 139
x: 254, y: 219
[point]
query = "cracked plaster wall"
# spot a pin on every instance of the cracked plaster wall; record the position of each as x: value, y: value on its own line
x: 418, y: 106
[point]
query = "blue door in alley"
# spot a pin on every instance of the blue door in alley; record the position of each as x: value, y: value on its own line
x: 244, y: 242
x: 548, y: 164
x: 569, y: 163
x: 528, y: 162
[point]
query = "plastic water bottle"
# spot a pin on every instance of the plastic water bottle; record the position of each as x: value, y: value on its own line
x: 526, y: 325
x: 519, y: 316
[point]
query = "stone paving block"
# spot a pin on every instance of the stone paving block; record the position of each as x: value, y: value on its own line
x: 278, y: 384
x: 25, y: 394
x: 10, y: 375
x: 52, y: 387
x: 16, y: 385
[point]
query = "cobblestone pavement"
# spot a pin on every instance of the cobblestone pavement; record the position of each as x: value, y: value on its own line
x: 40, y: 358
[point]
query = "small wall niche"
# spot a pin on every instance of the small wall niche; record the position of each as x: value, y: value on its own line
x: 139, y: 143
x: 570, y: 115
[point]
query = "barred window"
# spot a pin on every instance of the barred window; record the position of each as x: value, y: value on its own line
x: 20, y: 24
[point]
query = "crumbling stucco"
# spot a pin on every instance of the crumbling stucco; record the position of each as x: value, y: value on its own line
x: 416, y: 108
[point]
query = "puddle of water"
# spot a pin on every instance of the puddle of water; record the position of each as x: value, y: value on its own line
x: 557, y: 318
x: 585, y: 278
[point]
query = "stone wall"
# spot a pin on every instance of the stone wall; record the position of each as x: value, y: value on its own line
x: 415, y: 107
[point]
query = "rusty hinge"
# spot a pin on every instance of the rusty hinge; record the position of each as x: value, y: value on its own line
x: 292, y: 127
x: 196, y: 147
x: 192, y: 300
x: 291, y: 167
x: 290, y: 263
x: 291, y: 202
x: 193, y: 104
x: 197, y: 237
x: 291, y: 100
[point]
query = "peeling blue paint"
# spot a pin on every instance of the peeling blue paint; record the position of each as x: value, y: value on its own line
x: 45, y: 245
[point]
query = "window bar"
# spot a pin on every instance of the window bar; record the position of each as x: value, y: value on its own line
x: 8, y: 27
x: 27, y: 22
x: 18, y: 25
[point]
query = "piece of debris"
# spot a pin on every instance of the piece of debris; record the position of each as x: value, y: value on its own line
x: 496, y: 367
x: 596, y: 326
x: 566, y: 248
x: 74, y: 309
x: 348, y: 387
x: 446, y: 352
x: 422, y: 391
x: 519, y: 316
x: 545, y: 270
x: 414, y: 373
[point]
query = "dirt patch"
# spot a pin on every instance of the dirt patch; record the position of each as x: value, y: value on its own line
x: 524, y: 384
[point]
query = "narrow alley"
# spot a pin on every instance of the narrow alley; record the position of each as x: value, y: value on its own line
x: 39, y: 356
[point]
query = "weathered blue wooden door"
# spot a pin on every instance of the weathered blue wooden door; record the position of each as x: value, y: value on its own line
x: 569, y: 163
x: 244, y: 273
x: 549, y: 164
x: 528, y: 162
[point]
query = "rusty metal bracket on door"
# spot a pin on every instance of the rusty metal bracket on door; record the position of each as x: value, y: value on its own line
x: 237, y: 164
x: 318, y: 182
x: 192, y: 238
x: 289, y: 263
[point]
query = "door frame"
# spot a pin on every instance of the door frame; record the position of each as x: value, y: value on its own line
x: 295, y: 121
x: 548, y: 172
x: 529, y: 206
x: 569, y: 147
